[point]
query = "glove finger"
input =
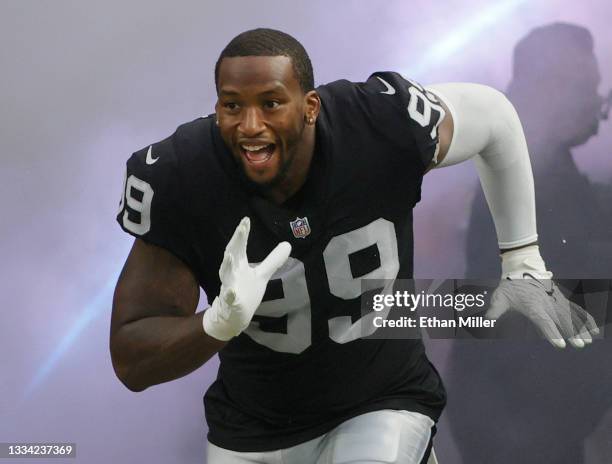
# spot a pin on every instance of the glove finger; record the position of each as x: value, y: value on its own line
x: 562, y: 310
x: 237, y: 244
x: 588, y: 320
x: 576, y: 341
x: 552, y: 335
x: 274, y: 260
x: 585, y: 335
x: 542, y: 319
x: 583, y: 322
x: 579, y: 320
x: 244, y: 238
x: 591, y: 325
x: 578, y: 317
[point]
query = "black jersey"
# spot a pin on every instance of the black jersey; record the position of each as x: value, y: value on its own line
x: 301, y: 367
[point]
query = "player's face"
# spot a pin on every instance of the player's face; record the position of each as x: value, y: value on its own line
x: 261, y: 110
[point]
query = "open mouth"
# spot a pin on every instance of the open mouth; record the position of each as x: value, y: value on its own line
x: 257, y: 154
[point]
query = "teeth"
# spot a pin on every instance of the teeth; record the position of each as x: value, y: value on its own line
x: 253, y: 147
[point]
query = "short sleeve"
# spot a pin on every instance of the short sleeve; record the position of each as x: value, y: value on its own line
x: 152, y: 205
x: 408, y: 113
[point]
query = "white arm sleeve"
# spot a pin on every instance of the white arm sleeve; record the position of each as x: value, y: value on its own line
x: 487, y: 129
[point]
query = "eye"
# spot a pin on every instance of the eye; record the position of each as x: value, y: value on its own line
x: 231, y: 106
x: 271, y: 104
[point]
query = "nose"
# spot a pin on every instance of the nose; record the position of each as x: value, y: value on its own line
x: 251, y: 123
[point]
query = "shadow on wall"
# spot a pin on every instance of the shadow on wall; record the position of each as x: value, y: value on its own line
x: 544, y: 402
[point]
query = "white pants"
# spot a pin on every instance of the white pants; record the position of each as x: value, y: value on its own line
x: 387, y: 436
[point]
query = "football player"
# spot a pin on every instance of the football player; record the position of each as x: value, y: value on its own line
x: 277, y: 206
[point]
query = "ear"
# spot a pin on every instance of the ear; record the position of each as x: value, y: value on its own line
x: 217, y: 107
x: 312, y: 105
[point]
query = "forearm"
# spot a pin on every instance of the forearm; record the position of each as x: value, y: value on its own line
x: 157, y: 349
x: 504, y: 170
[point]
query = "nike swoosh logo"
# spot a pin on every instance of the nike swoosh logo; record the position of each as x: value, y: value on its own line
x: 150, y: 159
x: 390, y: 90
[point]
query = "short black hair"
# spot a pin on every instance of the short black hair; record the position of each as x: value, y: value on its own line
x: 270, y: 42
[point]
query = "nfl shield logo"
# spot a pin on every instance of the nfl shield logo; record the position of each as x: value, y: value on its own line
x: 300, y: 227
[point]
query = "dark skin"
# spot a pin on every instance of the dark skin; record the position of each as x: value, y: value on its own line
x: 156, y: 336
x: 261, y: 102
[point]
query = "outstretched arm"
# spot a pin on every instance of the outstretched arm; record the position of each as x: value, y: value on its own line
x: 485, y: 127
x: 481, y: 123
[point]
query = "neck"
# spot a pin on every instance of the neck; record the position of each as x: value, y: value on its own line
x: 298, y: 171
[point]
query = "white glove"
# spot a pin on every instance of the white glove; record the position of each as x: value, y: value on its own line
x: 526, y: 287
x: 242, y: 285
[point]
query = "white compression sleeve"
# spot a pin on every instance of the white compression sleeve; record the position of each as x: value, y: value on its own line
x: 487, y: 129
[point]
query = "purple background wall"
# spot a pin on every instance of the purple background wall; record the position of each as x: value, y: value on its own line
x: 83, y: 84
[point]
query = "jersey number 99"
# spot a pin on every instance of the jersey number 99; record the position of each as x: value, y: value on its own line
x: 295, y: 304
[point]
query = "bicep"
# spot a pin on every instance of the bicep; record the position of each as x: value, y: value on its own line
x: 153, y: 282
x: 481, y: 116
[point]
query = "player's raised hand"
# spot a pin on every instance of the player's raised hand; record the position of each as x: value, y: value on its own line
x: 242, y: 285
x: 527, y: 287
